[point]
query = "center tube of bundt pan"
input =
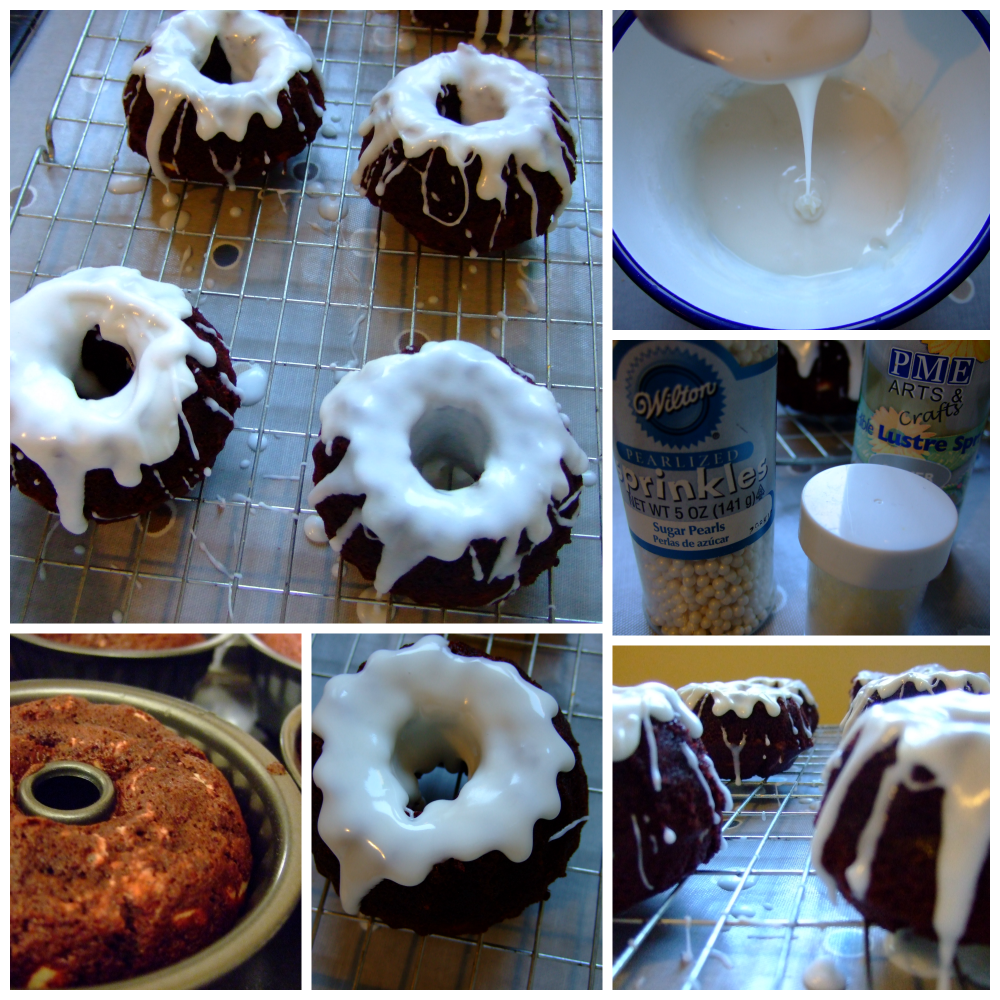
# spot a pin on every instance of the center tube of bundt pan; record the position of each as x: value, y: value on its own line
x: 694, y: 451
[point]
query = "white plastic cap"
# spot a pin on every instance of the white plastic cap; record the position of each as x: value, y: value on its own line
x: 876, y: 526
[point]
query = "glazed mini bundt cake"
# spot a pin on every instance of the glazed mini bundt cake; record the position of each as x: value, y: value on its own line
x: 904, y: 828
x: 931, y: 678
x: 820, y: 376
x: 160, y: 878
x: 446, y: 476
x: 121, y: 395
x: 479, y: 23
x: 668, y: 799
x: 471, y: 153
x: 448, y: 866
x: 750, y: 728
x: 222, y: 96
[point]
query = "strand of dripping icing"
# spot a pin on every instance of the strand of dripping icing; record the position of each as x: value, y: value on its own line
x: 796, y: 48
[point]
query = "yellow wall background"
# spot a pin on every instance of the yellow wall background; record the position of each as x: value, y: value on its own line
x: 827, y: 670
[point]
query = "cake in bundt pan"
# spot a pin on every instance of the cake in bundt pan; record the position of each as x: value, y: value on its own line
x: 448, y: 866
x: 753, y: 727
x: 904, y: 828
x: 159, y: 873
x: 667, y: 796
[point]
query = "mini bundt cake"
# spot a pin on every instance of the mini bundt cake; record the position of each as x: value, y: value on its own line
x: 931, y: 678
x: 448, y: 866
x: 904, y: 828
x: 446, y: 476
x: 471, y: 153
x: 749, y: 728
x: 121, y: 395
x: 160, y: 878
x: 479, y: 23
x: 820, y: 376
x: 667, y: 796
x: 222, y: 96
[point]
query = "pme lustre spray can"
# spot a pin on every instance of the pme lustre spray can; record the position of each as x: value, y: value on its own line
x: 924, y: 405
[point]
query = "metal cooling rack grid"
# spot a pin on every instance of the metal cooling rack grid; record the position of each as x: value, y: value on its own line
x: 779, y: 918
x: 234, y: 550
x: 807, y: 440
x: 556, y: 944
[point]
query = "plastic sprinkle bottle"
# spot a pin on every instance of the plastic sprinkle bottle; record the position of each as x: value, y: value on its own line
x: 694, y: 438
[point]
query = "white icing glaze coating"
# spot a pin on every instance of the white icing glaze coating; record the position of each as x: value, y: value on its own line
x: 506, y: 111
x: 796, y: 686
x: 739, y: 696
x: 633, y: 707
x: 923, y: 678
x: 68, y: 436
x: 377, y: 409
x: 262, y: 51
x: 408, y: 711
x: 948, y: 735
x: 806, y: 352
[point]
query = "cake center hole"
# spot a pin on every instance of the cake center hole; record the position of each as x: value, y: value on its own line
x: 449, y: 445
x: 216, y: 66
x: 66, y: 792
x: 475, y: 105
x: 433, y: 758
x: 104, y: 369
x: 235, y: 63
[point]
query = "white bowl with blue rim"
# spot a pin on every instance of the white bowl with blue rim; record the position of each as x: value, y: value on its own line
x: 661, y: 240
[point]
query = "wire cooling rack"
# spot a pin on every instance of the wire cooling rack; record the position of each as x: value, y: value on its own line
x: 774, y: 919
x: 552, y: 945
x: 803, y: 439
x: 309, y: 280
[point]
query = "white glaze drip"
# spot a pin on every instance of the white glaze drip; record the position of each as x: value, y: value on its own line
x: 453, y: 709
x: 377, y: 408
x: 796, y: 686
x: 262, y: 53
x: 507, y: 111
x: 566, y: 829
x: 669, y: 837
x: 735, y: 749
x: 68, y: 436
x: 638, y: 846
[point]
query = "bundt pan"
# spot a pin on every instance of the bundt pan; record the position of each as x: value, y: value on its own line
x: 277, y: 681
x: 271, y: 805
x: 291, y: 743
x: 168, y: 671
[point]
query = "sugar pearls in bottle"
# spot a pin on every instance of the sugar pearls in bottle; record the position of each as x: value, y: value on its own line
x: 694, y: 428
